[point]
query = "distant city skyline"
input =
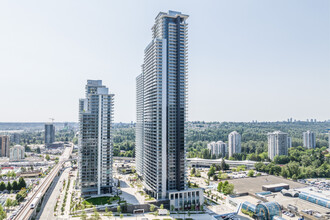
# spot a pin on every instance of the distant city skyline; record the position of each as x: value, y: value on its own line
x: 248, y: 60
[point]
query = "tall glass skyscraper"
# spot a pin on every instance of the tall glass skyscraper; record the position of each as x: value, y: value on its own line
x: 162, y: 107
x: 95, y: 139
x: 49, y: 133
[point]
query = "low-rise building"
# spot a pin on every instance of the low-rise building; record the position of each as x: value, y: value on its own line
x: 17, y: 153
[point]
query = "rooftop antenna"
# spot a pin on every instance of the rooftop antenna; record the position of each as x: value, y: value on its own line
x: 52, y: 119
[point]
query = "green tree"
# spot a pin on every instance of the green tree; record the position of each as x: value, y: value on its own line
x: 9, y: 186
x: 15, y: 185
x: 21, y: 183
x: 152, y: 207
x: 118, y: 209
x: 83, y: 215
x: 193, y: 171
x: 3, y: 214
x: 223, y: 165
x: 220, y: 187
x: 250, y: 173
x: 228, y: 189
x: 47, y: 157
x: 161, y: 206
x: 211, y: 172
x: 8, y: 203
x: 2, y: 186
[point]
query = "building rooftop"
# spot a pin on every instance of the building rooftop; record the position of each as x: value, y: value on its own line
x: 172, y: 14
x: 276, y: 185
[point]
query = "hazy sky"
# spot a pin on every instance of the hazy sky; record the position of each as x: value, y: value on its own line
x: 248, y: 59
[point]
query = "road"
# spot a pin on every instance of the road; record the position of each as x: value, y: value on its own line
x: 47, y: 209
x: 26, y: 211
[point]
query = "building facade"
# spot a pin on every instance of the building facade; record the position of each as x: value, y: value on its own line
x: 309, y: 139
x: 289, y: 142
x: 162, y: 108
x: 139, y: 150
x: 218, y: 148
x: 95, y: 139
x: 4, y: 146
x: 49, y: 133
x: 16, y: 138
x: 277, y: 144
x: 234, y: 143
x: 17, y: 153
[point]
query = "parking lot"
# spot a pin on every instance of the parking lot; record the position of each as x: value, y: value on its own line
x: 254, y: 184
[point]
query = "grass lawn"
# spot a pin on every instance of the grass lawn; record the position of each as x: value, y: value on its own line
x: 100, y: 200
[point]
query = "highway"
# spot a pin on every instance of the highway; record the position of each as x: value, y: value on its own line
x: 26, y: 211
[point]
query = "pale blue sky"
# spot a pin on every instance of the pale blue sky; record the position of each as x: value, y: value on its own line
x: 248, y: 59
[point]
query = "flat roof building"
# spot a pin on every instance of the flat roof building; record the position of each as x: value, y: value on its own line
x: 162, y: 112
x: 4, y: 146
x: 234, y: 143
x: 95, y: 140
x: 49, y: 133
x: 218, y: 148
x: 309, y: 139
x: 277, y: 144
x: 17, y: 153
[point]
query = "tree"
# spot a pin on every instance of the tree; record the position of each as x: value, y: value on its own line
x: 118, y: 209
x: 3, y: 214
x: 121, y: 216
x: 2, y: 186
x: 161, y: 206
x: 220, y: 187
x: 198, y: 173
x: 215, y: 177
x: 223, y: 165
x: 211, y: 172
x: 152, y: 207
x: 294, y: 177
x: 281, y: 159
x: 47, y: 157
x: 83, y: 215
x: 8, y: 203
x: 14, y: 202
x: 193, y: 171
x: 15, y: 185
x: 224, y: 176
x: 21, y: 183
x: 9, y: 187
x: 250, y: 173
x: 228, y: 189
x: 21, y: 195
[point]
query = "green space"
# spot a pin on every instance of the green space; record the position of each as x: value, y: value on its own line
x: 100, y: 200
